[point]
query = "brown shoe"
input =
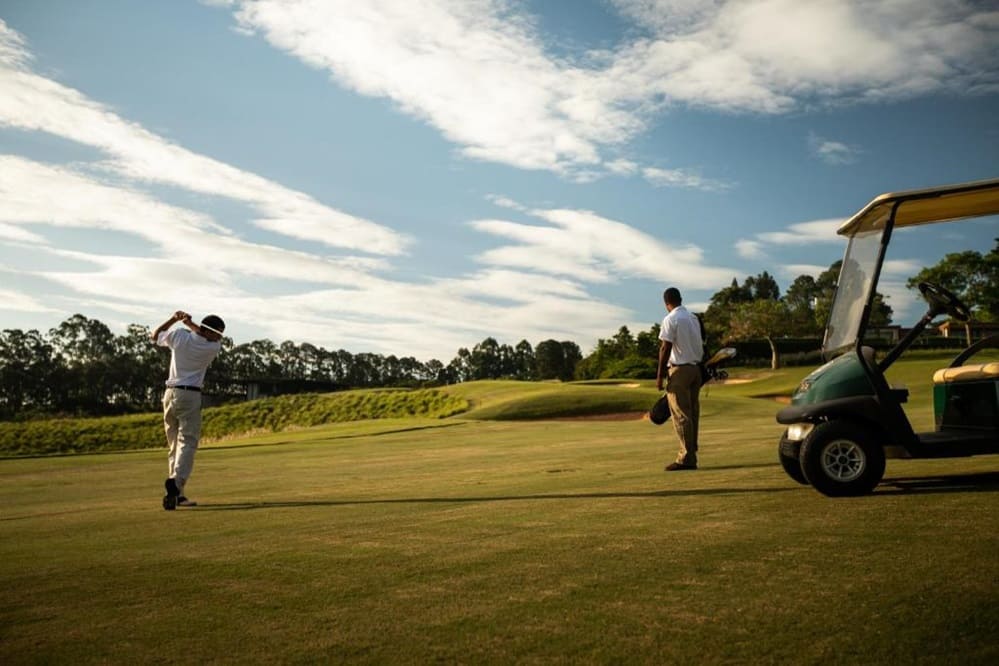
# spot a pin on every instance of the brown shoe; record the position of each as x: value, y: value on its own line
x: 676, y: 467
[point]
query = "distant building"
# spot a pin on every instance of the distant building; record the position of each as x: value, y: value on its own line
x: 890, y: 334
x: 971, y: 331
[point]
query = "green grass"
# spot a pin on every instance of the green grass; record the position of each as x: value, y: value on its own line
x: 507, y: 400
x: 414, y: 540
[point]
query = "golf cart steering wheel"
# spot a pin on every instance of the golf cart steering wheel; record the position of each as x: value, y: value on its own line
x: 942, y: 300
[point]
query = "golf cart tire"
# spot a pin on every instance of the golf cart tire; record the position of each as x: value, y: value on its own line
x: 791, y: 465
x: 842, y: 459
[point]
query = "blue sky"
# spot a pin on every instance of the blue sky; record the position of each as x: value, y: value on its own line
x: 412, y: 177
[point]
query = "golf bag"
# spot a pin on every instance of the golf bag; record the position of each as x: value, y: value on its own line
x: 710, y: 369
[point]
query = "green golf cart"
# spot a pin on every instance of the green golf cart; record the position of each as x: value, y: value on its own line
x: 845, y: 419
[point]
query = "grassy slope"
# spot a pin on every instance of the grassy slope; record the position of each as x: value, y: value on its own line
x: 497, y: 541
x: 144, y: 431
x: 507, y: 400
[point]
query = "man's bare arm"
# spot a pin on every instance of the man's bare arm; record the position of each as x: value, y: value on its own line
x: 179, y: 315
x: 664, y: 351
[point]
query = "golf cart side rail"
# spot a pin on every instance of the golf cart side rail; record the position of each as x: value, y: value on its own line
x: 935, y: 204
x: 990, y: 341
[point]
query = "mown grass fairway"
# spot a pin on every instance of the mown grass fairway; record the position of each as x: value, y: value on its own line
x: 457, y: 540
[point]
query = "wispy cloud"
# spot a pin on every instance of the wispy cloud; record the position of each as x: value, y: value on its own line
x: 36, y: 103
x: 181, y: 256
x: 805, y: 233
x: 478, y: 71
x: 12, y: 232
x: 681, y: 178
x: 792, y: 271
x: 18, y: 302
x: 481, y: 73
x: 189, y: 259
x: 901, y: 267
x: 749, y: 249
x: 586, y: 246
x: 800, y: 233
x: 194, y: 238
x: 505, y: 202
x: 774, y: 55
x: 834, y: 153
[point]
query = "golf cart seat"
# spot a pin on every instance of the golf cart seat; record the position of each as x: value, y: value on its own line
x: 966, y: 373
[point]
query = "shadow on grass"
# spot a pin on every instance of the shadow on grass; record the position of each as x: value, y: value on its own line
x: 955, y: 483
x: 216, y: 446
x: 495, y: 498
x: 712, y: 468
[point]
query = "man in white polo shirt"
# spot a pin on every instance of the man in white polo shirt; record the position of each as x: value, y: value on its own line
x: 682, y: 349
x: 192, y: 351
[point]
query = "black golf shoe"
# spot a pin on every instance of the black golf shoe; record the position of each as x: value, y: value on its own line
x: 172, y: 493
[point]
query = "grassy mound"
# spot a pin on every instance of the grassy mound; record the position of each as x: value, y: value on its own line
x: 144, y: 431
x: 510, y: 400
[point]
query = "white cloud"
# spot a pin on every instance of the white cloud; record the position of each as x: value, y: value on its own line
x: 794, y: 270
x: 13, y: 232
x: 805, y: 233
x: 19, y: 302
x: 472, y: 69
x: 834, y: 153
x: 623, y: 167
x: 350, y: 309
x: 481, y: 73
x: 749, y: 249
x: 35, y: 103
x: 505, y: 202
x: 585, y: 246
x: 681, y: 178
x: 902, y: 267
x: 191, y: 237
x: 774, y: 55
x: 815, y: 232
x: 476, y: 71
x: 192, y: 262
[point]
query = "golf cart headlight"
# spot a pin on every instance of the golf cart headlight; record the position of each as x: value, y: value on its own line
x: 799, y: 431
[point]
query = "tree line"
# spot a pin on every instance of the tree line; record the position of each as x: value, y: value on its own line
x: 82, y: 367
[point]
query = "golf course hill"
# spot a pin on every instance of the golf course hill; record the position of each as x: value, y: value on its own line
x: 479, y: 400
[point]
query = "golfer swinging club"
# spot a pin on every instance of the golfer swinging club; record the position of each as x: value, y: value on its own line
x: 191, y: 352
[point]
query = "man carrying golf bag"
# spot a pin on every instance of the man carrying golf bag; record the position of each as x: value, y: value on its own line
x: 682, y: 349
x: 192, y: 351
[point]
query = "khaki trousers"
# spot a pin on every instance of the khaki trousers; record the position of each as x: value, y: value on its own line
x: 182, y: 422
x: 683, y: 389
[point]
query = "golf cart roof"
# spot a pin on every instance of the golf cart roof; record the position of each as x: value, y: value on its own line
x: 936, y: 204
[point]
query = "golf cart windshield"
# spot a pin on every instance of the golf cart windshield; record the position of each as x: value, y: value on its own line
x: 869, y: 231
x: 856, y: 280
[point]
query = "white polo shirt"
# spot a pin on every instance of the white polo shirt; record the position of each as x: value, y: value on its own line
x: 192, y: 354
x: 684, y: 330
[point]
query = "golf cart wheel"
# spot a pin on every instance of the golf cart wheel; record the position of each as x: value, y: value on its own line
x: 791, y: 464
x: 842, y: 459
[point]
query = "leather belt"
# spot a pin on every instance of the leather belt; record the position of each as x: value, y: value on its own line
x: 186, y: 388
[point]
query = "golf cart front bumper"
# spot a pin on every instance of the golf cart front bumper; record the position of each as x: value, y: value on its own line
x: 790, y: 448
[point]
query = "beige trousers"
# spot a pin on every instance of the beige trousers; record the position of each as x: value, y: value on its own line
x: 182, y: 422
x: 683, y: 388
